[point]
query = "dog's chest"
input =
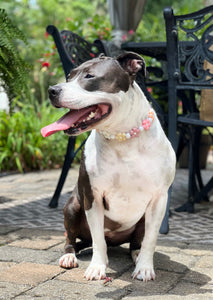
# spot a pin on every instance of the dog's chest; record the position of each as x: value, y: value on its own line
x: 122, y: 181
x: 124, y: 193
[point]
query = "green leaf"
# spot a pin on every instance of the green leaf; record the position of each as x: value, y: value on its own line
x: 18, y: 164
x: 19, y: 143
x: 3, y: 156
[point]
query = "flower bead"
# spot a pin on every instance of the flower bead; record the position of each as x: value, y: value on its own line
x: 146, y: 124
x: 128, y: 135
x: 120, y: 137
x: 134, y: 132
x: 151, y: 115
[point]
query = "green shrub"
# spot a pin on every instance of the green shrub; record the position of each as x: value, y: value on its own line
x: 13, y: 69
x: 22, y: 146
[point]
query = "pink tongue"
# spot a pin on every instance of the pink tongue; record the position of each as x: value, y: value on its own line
x: 64, y: 122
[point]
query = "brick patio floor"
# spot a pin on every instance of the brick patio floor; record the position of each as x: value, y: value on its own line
x: 32, y: 240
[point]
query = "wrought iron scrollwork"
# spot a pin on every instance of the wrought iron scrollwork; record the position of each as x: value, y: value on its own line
x: 195, y: 46
x: 78, y: 49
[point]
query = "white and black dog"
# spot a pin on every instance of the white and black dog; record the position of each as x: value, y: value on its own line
x: 126, y: 168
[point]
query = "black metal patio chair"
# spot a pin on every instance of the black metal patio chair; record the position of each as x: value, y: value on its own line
x: 189, y: 47
x: 73, y: 50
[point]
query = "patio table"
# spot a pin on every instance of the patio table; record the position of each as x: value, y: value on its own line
x: 153, y: 49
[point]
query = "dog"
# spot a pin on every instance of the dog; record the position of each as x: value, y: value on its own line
x: 126, y: 168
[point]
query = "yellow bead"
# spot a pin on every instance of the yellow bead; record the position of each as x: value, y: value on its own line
x: 120, y: 137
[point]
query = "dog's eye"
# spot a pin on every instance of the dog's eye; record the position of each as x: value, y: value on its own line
x: 89, y: 76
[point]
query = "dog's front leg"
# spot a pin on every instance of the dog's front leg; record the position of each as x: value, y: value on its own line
x: 144, y: 269
x: 95, y: 219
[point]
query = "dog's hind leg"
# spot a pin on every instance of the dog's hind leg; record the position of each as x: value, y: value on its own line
x: 73, y: 220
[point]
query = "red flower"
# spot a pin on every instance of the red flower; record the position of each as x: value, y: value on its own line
x: 45, y: 64
x: 92, y: 55
x: 131, y: 31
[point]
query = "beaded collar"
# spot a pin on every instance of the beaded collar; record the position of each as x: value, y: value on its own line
x: 134, y: 132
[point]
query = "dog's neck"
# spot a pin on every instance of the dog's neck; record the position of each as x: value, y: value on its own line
x: 132, y: 133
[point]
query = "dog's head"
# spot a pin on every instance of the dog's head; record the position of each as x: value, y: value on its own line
x: 91, y: 92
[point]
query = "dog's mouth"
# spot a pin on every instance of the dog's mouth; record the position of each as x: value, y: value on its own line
x: 78, y: 120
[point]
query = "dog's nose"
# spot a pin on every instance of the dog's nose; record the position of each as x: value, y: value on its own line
x: 54, y: 92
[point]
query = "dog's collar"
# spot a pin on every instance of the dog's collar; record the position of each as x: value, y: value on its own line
x: 134, y: 132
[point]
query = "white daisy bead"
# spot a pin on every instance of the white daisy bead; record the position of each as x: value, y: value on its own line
x: 128, y: 136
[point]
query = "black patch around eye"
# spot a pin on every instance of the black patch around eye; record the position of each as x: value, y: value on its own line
x: 92, y: 85
x: 89, y: 76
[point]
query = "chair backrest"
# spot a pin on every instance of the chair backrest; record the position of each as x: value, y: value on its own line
x: 189, y: 40
x: 73, y: 50
x: 190, y: 48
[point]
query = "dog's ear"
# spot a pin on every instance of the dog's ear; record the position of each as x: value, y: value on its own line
x: 132, y: 63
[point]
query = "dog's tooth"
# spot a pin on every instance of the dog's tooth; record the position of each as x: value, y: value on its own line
x: 91, y: 115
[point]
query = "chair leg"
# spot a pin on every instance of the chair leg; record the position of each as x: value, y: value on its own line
x: 197, y: 167
x: 70, y: 154
x: 181, y: 143
x: 204, y: 191
x: 164, y: 229
x: 192, y: 188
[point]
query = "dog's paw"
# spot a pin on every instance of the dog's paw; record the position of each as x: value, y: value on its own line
x: 68, y: 261
x: 95, y: 272
x: 144, y: 273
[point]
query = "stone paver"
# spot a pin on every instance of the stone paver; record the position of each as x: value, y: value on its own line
x: 29, y: 273
x: 10, y: 290
x: 16, y: 254
x: 63, y: 290
x: 32, y: 240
